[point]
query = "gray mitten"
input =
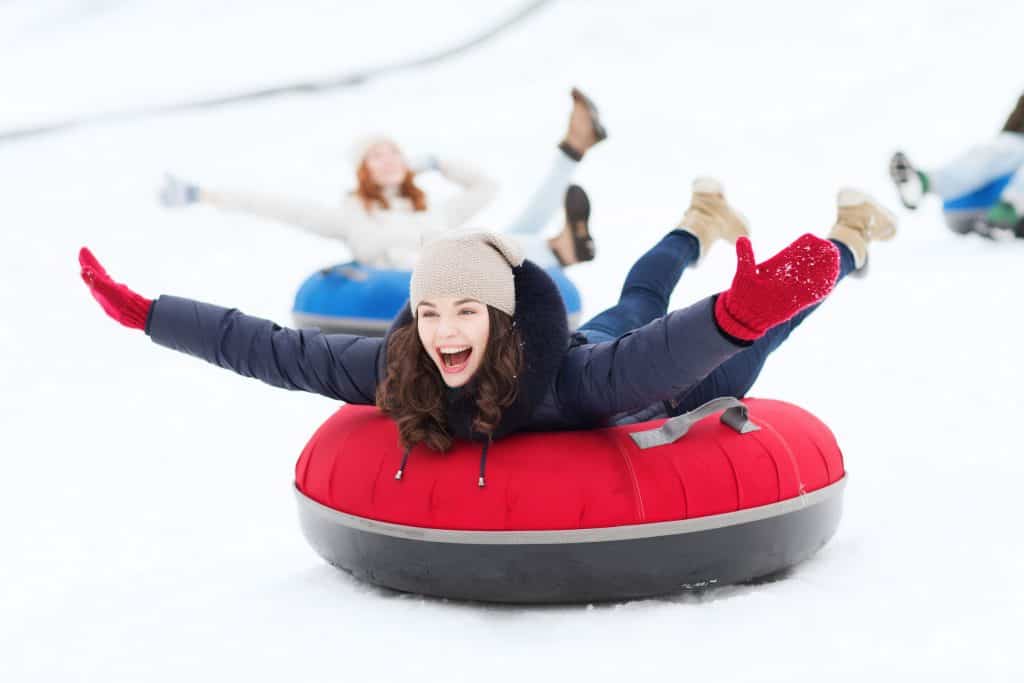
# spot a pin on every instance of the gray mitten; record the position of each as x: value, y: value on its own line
x: 424, y: 163
x: 176, y: 192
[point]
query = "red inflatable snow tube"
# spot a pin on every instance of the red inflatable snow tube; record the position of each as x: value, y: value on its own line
x: 582, y: 516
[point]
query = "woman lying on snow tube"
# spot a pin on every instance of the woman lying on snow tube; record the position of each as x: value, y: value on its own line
x: 387, y: 218
x: 483, y: 351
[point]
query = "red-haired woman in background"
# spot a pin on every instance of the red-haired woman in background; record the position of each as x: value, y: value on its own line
x: 387, y: 218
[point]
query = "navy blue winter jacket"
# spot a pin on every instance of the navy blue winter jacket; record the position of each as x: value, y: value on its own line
x: 566, y: 384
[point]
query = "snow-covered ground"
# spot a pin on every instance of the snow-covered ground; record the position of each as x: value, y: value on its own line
x: 147, y: 525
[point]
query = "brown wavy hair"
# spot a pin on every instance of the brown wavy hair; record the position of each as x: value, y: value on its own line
x: 1015, y: 122
x: 413, y: 393
x: 372, y: 194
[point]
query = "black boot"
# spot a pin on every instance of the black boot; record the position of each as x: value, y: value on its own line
x: 574, y: 244
x: 909, y: 183
x: 577, y: 217
x: 600, y: 132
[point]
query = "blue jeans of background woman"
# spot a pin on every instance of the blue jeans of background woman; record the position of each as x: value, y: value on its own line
x: 546, y: 200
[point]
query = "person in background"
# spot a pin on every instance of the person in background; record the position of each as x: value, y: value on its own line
x: 980, y: 166
x: 387, y: 218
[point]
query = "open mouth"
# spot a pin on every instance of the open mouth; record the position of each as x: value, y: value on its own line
x: 454, y: 359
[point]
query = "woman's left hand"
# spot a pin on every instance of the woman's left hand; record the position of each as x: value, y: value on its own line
x: 424, y: 163
x: 767, y: 294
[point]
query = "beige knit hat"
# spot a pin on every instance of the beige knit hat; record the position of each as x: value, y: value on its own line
x: 476, y: 266
x: 361, y: 145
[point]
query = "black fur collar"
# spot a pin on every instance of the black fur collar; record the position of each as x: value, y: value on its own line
x: 541, y: 320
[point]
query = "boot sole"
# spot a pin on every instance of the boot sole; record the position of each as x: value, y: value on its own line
x: 577, y: 216
x: 899, y: 168
x: 577, y: 204
x: 899, y: 171
x: 600, y: 132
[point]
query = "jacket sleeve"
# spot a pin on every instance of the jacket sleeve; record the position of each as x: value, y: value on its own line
x: 654, y: 363
x: 478, y: 190
x: 336, y: 222
x: 338, y: 366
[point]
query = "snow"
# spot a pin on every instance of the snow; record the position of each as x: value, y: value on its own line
x: 146, y: 516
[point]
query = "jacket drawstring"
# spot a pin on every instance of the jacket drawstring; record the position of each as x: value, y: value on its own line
x: 483, y: 463
x: 481, y: 482
x: 405, y: 459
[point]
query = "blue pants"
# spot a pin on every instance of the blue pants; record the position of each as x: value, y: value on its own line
x: 645, y: 296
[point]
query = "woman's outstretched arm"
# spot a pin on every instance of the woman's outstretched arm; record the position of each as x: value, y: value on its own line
x: 335, y: 222
x: 653, y: 363
x: 343, y: 367
x: 478, y: 190
x: 665, y: 358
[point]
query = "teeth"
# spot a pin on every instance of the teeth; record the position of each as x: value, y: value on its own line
x: 448, y: 353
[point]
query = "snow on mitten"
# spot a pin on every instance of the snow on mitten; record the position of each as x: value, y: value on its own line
x: 767, y: 294
x: 120, y: 303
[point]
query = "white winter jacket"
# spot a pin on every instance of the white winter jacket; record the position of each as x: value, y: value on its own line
x: 383, y: 238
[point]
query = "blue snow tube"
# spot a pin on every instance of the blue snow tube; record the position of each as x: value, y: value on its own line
x: 962, y: 213
x: 351, y: 298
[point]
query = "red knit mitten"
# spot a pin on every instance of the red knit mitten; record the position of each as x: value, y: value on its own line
x: 762, y: 296
x: 120, y: 303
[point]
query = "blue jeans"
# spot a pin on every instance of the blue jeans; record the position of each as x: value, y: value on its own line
x: 645, y: 296
x: 647, y: 289
x: 543, y: 204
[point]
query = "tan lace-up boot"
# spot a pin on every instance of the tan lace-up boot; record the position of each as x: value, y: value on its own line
x: 861, y: 220
x: 710, y: 217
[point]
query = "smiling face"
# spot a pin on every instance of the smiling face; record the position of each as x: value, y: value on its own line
x: 386, y: 164
x: 454, y: 332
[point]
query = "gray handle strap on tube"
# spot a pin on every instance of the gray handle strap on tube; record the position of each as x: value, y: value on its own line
x: 672, y: 430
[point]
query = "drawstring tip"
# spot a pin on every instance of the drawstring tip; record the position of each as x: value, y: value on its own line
x: 480, y: 482
x: 401, y: 465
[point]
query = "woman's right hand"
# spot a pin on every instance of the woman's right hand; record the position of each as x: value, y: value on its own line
x: 119, y: 302
x: 176, y: 192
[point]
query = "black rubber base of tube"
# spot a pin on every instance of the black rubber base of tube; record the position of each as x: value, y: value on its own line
x: 577, y: 572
